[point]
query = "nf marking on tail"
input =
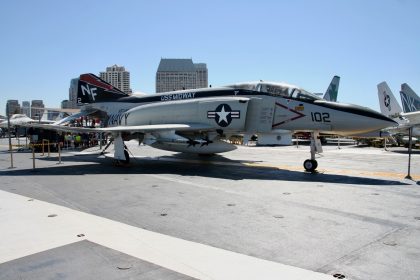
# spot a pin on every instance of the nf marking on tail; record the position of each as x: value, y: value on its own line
x: 86, y: 90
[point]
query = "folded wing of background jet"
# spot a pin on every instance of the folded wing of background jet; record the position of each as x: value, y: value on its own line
x: 196, y: 121
x: 409, y: 99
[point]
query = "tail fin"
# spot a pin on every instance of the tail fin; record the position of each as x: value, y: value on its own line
x: 409, y: 99
x: 389, y: 105
x: 332, y: 91
x: 91, y: 89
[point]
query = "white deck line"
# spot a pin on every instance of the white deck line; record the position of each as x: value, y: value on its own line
x: 26, y: 229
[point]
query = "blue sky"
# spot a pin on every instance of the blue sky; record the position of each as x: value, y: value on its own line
x: 44, y: 44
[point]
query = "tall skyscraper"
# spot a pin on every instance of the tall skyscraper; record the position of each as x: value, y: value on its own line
x: 26, y: 108
x: 14, y: 107
x: 202, y: 75
x: 178, y: 74
x: 66, y: 104
x: 36, y: 109
x: 73, y: 93
x: 118, y: 77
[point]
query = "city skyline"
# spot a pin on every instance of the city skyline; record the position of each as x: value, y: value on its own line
x: 304, y: 43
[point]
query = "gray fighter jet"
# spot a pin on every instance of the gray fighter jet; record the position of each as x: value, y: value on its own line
x: 197, y: 121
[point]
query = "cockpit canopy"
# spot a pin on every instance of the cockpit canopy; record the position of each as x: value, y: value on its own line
x: 277, y: 89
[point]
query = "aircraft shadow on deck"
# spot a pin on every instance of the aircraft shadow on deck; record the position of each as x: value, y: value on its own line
x: 405, y: 152
x: 213, y: 167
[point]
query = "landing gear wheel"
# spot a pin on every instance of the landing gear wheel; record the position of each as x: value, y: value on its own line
x: 310, y: 165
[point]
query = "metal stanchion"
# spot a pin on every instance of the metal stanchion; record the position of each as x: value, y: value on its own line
x: 11, y: 156
x: 59, y: 153
x: 100, y: 141
x: 43, y: 146
x: 10, y: 139
x: 410, y: 142
x: 33, y: 156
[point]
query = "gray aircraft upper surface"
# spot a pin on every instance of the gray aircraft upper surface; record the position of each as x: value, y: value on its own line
x: 195, y: 121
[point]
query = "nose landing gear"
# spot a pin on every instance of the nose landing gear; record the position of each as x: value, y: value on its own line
x: 310, y: 165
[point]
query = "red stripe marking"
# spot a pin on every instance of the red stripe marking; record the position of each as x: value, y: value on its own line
x: 299, y: 115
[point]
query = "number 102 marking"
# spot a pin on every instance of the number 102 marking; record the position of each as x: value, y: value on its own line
x: 320, y: 117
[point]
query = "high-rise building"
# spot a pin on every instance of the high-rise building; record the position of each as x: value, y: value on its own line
x: 36, y: 109
x: 66, y: 104
x: 118, y: 77
x: 26, y: 108
x: 178, y: 74
x: 202, y: 75
x: 14, y: 107
x: 73, y: 93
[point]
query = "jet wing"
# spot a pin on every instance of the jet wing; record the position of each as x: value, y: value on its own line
x: 128, y: 129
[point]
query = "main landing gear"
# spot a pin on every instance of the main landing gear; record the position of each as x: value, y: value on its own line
x: 121, y: 155
x: 127, y: 157
x: 311, y: 164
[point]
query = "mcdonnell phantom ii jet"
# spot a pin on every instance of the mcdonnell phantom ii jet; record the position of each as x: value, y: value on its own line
x: 196, y: 121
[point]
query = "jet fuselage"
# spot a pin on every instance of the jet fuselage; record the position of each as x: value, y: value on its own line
x: 239, y: 110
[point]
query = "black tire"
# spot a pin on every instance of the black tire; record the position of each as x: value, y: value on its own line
x: 310, y: 165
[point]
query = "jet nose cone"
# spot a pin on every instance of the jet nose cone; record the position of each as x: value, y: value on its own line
x: 371, y: 120
x: 354, y: 119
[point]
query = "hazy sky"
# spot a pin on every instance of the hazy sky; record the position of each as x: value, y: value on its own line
x: 44, y: 44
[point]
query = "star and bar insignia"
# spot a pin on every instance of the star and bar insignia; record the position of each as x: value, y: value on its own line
x: 223, y: 115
